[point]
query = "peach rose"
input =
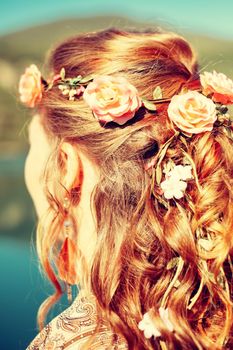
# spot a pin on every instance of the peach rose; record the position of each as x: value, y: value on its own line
x: 112, y: 99
x: 30, y: 86
x: 192, y: 112
x: 219, y: 86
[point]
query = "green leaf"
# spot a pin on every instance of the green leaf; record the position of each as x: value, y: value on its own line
x: 222, y: 109
x: 86, y: 79
x: 172, y: 263
x: 62, y: 73
x: 74, y: 81
x: 165, y: 146
x: 49, y: 87
x: 163, y: 151
x: 149, y: 105
x: 157, y: 93
x: 158, y: 174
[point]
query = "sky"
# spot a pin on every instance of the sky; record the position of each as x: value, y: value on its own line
x: 208, y: 17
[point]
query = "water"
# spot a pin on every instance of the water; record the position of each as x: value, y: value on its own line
x: 22, y: 290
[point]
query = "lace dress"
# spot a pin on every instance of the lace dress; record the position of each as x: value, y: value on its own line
x: 73, y: 327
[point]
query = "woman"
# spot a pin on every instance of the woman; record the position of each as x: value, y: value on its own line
x: 130, y: 170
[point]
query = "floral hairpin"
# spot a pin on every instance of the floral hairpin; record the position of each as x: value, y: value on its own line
x: 110, y: 98
x: 114, y: 99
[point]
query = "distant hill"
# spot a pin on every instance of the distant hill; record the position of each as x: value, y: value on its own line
x: 31, y: 45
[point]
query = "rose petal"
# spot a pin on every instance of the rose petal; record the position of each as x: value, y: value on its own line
x: 30, y: 86
x: 218, y: 85
x: 112, y: 99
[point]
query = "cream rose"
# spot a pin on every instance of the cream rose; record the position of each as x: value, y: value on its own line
x: 192, y: 112
x: 30, y: 86
x: 112, y: 99
x: 218, y: 85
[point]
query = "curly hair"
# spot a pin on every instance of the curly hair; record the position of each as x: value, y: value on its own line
x: 137, y: 236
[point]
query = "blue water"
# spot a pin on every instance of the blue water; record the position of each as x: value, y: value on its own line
x: 21, y: 294
x: 22, y: 290
x: 205, y: 17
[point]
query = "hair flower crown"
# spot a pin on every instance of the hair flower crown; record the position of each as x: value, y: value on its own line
x: 115, y: 99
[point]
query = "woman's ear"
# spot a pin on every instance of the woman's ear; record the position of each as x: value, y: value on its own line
x: 72, y: 165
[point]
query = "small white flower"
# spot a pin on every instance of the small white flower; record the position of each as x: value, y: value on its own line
x: 183, y: 172
x: 146, y: 325
x: 173, y: 187
x: 174, y: 184
x: 65, y: 92
x: 62, y: 87
x: 72, y: 93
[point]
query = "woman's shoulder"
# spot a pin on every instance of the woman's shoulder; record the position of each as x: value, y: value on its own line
x: 74, y: 327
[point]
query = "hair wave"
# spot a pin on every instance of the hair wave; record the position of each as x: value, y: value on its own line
x: 129, y: 274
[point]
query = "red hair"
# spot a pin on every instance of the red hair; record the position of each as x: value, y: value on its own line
x: 136, y: 235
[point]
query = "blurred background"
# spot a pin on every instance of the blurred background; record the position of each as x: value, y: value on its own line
x: 28, y: 30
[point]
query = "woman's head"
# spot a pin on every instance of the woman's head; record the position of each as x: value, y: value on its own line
x: 111, y: 175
